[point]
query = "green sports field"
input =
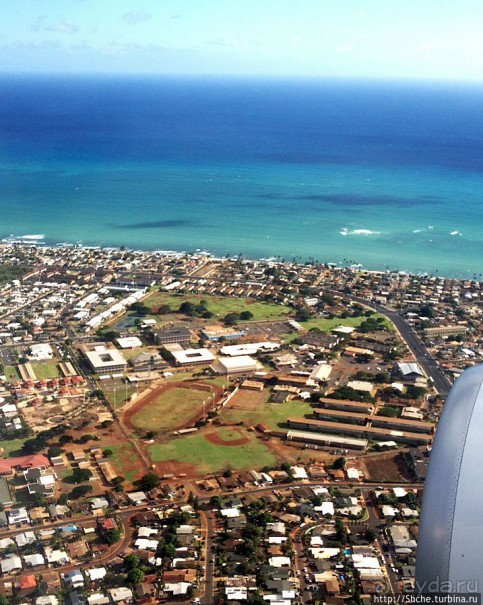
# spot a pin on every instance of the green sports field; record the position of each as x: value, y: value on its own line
x: 208, y: 457
x: 170, y: 409
x: 46, y: 369
x: 325, y: 325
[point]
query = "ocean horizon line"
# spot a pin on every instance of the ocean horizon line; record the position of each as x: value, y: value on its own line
x: 248, y: 77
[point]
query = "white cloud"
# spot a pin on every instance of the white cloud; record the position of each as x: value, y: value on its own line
x: 61, y: 27
x: 133, y: 17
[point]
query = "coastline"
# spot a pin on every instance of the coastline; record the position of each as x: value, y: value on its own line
x: 38, y: 241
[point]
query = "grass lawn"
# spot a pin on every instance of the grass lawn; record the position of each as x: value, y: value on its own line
x: 10, y: 372
x: 325, y: 325
x: 221, y: 305
x: 182, y: 376
x: 116, y: 394
x: 208, y: 457
x: 274, y: 415
x: 46, y: 369
x: 125, y: 461
x: 12, y: 447
x: 128, y: 353
x: 172, y: 408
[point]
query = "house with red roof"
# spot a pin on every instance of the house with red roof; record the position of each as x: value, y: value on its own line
x: 9, y: 465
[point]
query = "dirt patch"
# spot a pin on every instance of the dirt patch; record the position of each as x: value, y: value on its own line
x: 71, y: 411
x: 294, y: 453
x: 178, y: 469
x: 247, y: 400
x: 389, y: 466
x: 216, y: 439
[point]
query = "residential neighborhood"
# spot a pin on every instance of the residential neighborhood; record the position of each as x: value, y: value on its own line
x: 181, y: 428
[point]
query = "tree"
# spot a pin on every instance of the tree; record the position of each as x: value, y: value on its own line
x: 148, y: 481
x: 107, y: 453
x: 131, y: 561
x: 230, y: 319
x: 139, y: 308
x: 40, y: 500
x: 81, y: 474
x: 168, y: 551
x: 63, y: 439
x: 215, y: 501
x: 87, y: 437
x: 34, y: 445
x: 370, y: 534
x: 303, y: 314
x: 388, y: 412
x: 164, y: 310
x: 389, y: 393
x: 110, y: 335
x: 112, y: 536
x: 426, y: 310
x: 246, y: 315
x: 54, y: 450
x: 81, y: 490
x: 339, y: 463
x: 135, y: 576
x: 414, y: 392
x: 187, y: 308
x: 381, y: 378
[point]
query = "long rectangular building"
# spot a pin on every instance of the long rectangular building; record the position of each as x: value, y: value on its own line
x: 341, y: 415
x: 179, y: 335
x: 369, y: 432
x: 343, y: 404
x: 416, y: 426
x: 404, y: 424
x: 26, y: 371
x: 67, y: 369
x: 327, y: 440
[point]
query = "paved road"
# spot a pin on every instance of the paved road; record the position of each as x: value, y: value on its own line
x: 375, y: 522
x: 209, y: 522
x: 421, y: 354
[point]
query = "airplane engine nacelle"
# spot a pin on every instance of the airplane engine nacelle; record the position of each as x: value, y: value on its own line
x: 450, y: 546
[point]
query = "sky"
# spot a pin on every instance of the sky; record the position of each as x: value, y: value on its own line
x: 421, y: 39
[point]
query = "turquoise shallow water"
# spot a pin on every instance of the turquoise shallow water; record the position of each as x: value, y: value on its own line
x: 385, y: 176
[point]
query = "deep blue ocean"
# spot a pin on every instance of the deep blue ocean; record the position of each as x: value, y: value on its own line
x: 387, y: 175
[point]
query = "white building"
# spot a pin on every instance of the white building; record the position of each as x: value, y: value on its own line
x: 105, y: 361
x: 10, y: 563
x: 188, y: 357
x: 243, y: 364
x: 122, y: 593
x: 250, y: 348
x: 321, y: 372
x: 40, y: 352
x: 130, y: 342
x: 97, y: 573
